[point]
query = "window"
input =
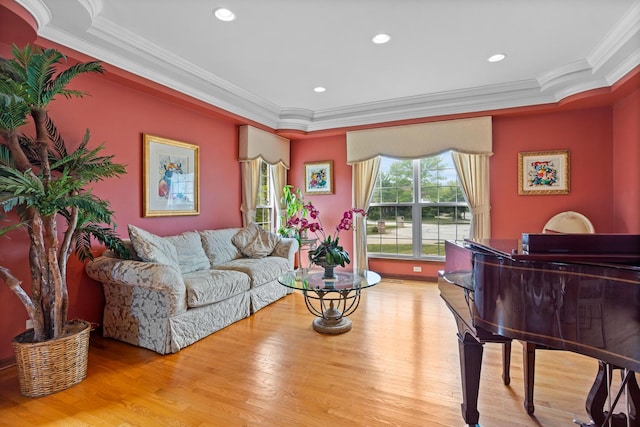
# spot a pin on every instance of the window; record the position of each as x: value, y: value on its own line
x: 265, y: 210
x: 416, y: 205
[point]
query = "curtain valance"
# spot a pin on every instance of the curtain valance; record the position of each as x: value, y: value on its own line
x: 471, y: 136
x: 256, y: 143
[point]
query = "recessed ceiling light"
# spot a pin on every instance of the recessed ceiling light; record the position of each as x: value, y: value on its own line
x: 381, y: 38
x: 319, y: 89
x: 497, y: 57
x: 224, y: 14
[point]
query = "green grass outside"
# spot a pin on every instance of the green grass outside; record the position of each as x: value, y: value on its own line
x: 404, y: 249
x: 391, y: 224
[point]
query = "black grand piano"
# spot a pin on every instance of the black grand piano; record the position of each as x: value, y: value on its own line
x: 574, y: 292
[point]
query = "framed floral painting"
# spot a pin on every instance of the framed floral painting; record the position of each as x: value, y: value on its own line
x: 171, y: 177
x: 543, y: 172
x: 318, y: 177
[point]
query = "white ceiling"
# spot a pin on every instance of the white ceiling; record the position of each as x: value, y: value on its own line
x: 265, y: 64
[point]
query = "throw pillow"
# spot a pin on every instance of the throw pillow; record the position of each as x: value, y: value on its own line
x: 255, y: 242
x: 191, y: 256
x: 152, y: 248
x: 218, y: 246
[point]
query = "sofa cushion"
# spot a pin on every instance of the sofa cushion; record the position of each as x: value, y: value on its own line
x: 152, y: 248
x: 206, y: 287
x: 261, y: 270
x: 255, y: 242
x: 191, y: 256
x: 218, y: 247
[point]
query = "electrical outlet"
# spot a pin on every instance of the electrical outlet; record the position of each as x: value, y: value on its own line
x: 417, y: 269
x: 29, y: 324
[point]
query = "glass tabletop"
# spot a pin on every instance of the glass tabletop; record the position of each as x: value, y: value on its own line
x: 345, y: 280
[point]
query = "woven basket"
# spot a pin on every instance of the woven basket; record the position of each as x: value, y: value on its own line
x: 54, y: 365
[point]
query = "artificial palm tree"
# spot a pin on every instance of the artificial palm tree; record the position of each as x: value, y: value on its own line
x: 41, y: 181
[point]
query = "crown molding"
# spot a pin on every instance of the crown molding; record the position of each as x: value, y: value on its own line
x: 139, y: 56
x: 38, y: 10
x: 93, y: 7
x: 624, y: 36
x: 484, y: 98
x: 616, y: 55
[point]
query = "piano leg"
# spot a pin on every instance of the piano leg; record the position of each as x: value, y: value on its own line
x: 506, y: 363
x: 470, y: 365
x: 597, y: 400
x: 529, y: 365
x: 634, y: 398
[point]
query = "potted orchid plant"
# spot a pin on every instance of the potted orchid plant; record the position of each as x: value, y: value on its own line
x: 329, y: 253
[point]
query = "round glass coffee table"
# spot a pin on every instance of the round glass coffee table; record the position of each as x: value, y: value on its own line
x: 330, y: 300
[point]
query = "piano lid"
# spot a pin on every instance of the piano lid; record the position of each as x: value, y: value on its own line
x: 621, y: 244
x: 590, y: 248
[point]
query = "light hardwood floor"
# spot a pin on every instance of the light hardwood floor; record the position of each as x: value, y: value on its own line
x: 398, y: 366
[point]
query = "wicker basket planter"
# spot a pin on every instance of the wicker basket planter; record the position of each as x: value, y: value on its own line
x: 54, y: 365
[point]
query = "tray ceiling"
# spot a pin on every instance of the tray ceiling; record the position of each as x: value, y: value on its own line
x: 265, y: 64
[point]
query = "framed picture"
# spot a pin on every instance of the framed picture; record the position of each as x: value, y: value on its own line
x: 171, y: 177
x: 543, y: 172
x: 318, y: 177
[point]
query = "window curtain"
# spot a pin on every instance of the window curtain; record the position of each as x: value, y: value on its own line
x: 255, y: 146
x: 364, y: 175
x: 473, y: 135
x: 473, y: 170
x: 250, y: 171
x: 279, y: 177
x: 421, y: 140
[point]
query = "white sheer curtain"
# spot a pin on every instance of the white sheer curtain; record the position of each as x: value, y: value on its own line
x: 364, y: 175
x: 250, y: 172
x: 473, y: 170
x: 279, y: 177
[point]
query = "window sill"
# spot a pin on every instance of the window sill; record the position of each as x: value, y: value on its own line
x: 406, y: 258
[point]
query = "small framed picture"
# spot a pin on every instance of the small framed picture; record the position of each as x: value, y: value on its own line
x: 543, y: 172
x: 318, y: 177
x: 171, y: 177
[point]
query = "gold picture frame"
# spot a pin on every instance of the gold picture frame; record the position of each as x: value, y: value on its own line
x: 318, y: 177
x: 171, y: 175
x: 543, y: 172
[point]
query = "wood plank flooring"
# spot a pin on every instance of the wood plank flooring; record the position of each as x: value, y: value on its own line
x: 398, y: 366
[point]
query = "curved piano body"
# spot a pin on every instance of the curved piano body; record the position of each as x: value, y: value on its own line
x: 579, y: 293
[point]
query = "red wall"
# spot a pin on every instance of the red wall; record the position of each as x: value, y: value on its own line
x: 331, y: 207
x: 587, y: 134
x: 626, y: 158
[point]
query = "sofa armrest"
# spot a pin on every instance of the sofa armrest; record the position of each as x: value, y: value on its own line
x: 160, y: 279
x: 287, y: 248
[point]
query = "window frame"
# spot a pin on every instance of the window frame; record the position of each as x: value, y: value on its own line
x: 417, y: 206
x: 270, y: 205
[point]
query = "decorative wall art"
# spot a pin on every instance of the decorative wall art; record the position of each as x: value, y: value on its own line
x: 318, y: 177
x: 543, y: 172
x: 171, y: 177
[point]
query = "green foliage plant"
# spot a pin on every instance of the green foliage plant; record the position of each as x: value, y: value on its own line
x: 294, y: 210
x: 41, y: 182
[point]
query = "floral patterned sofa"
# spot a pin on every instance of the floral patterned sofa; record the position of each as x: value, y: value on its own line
x: 177, y: 290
